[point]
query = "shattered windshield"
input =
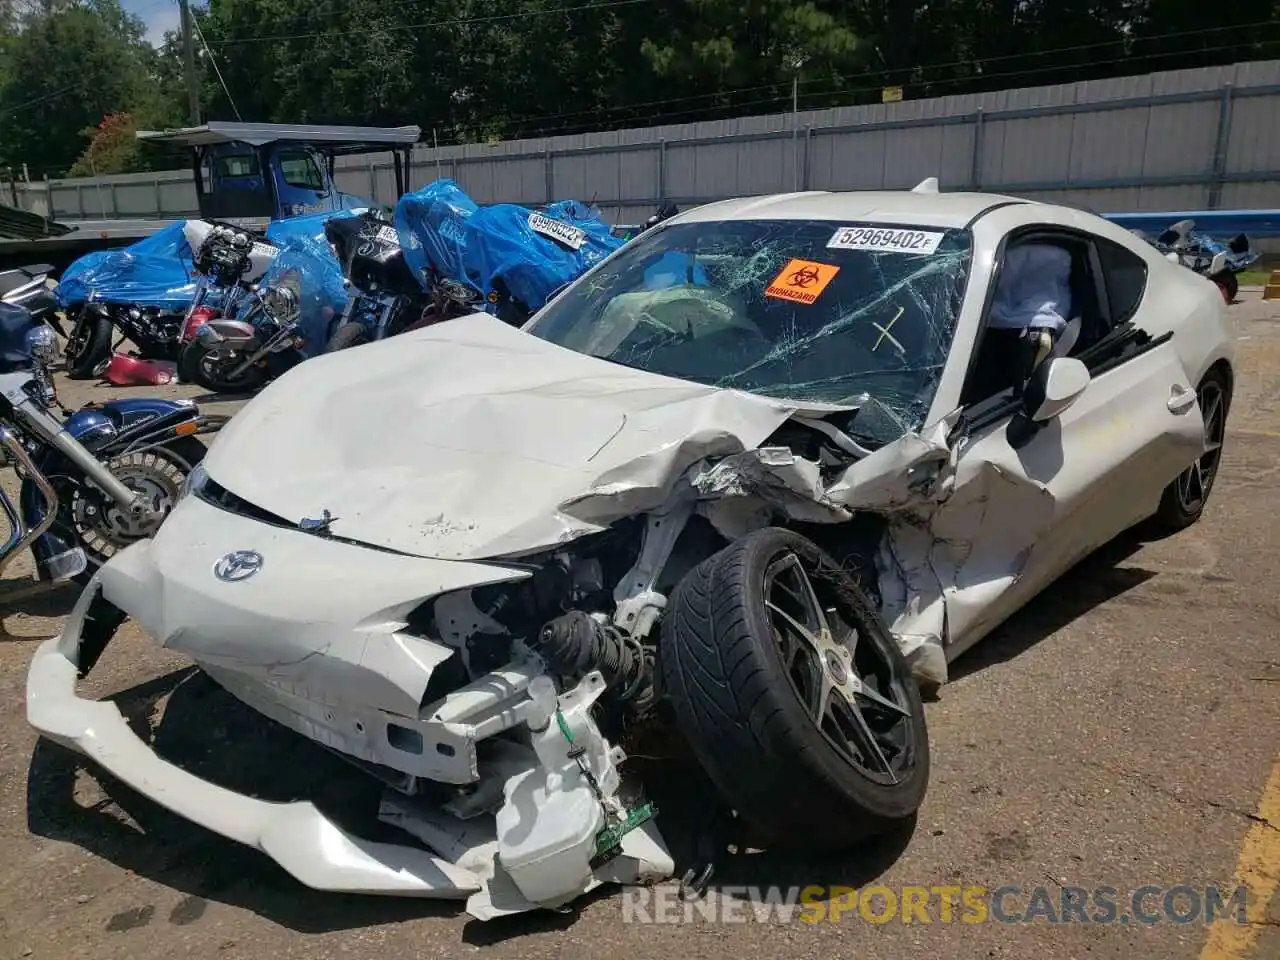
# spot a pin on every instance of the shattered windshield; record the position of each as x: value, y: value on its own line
x: 812, y: 310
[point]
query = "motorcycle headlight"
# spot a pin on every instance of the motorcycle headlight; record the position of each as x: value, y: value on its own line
x: 282, y: 303
x: 42, y: 344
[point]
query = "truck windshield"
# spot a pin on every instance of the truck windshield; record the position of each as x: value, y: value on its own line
x: 808, y: 310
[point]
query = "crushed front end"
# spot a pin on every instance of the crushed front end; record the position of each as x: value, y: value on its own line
x: 495, y: 732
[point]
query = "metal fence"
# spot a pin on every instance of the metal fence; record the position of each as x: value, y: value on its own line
x: 1190, y: 139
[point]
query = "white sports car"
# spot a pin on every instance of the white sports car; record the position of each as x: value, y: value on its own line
x: 764, y: 473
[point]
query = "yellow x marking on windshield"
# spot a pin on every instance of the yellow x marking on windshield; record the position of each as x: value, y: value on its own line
x: 884, y: 332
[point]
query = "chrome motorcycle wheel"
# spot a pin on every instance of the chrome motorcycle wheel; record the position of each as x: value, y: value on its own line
x: 104, y: 528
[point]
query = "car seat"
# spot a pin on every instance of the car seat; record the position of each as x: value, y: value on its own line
x: 1028, y: 319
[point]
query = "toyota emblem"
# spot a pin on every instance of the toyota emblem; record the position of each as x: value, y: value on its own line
x: 237, y: 566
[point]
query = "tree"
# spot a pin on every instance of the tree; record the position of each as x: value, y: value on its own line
x: 79, y: 62
x: 113, y: 148
x: 748, y: 52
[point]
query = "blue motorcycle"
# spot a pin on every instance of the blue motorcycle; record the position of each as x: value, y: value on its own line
x: 95, y: 480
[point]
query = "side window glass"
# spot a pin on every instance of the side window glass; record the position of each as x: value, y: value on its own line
x: 1125, y: 275
x: 300, y: 170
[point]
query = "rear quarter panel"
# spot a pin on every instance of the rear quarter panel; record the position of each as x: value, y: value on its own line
x: 1190, y: 306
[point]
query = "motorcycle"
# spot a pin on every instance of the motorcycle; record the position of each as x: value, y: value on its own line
x: 1219, y: 262
x: 153, y: 330
x: 239, y: 354
x: 156, y: 293
x: 229, y: 262
x: 386, y: 297
x: 504, y: 259
x: 95, y: 480
x: 28, y: 287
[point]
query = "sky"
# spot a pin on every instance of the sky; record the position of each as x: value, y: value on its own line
x: 159, y: 16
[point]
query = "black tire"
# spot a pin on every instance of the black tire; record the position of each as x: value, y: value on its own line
x: 88, y: 346
x: 722, y: 668
x: 1229, y: 284
x: 1184, y: 500
x: 347, y: 335
x: 193, y: 368
x: 182, y: 453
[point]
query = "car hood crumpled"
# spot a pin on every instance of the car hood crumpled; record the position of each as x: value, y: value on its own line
x: 471, y: 439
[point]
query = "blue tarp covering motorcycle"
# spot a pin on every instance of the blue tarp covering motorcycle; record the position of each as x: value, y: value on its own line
x: 306, y: 264
x: 284, y: 320
x: 156, y: 271
x: 511, y: 257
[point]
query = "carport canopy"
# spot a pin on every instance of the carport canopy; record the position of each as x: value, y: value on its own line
x: 339, y: 141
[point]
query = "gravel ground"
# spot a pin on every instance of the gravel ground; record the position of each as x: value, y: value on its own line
x: 1119, y: 732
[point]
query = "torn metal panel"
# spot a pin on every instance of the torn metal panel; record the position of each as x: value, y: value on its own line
x: 910, y: 475
x: 775, y: 476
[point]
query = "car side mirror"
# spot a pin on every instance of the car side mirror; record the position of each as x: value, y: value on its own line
x: 1056, y: 385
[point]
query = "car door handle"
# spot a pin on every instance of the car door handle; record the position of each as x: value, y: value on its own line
x: 1181, y: 399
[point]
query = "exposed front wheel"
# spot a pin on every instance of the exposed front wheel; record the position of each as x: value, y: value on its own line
x: 793, y: 694
x: 89, y: 346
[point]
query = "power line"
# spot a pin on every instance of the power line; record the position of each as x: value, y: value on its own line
x: 786, y: 98
x: 214, y: 61
x: 43, y: 99
x: 841, y: 84
x: 458, y: 22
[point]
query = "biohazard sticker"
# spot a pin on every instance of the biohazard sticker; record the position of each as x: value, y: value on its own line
x: 801, y: 281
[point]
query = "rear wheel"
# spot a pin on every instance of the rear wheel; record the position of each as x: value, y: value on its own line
x: 793, y: 694
x: 1184, y: 500
x: 89, y: 346
x: 1229, y: 284
x: 347, y: 335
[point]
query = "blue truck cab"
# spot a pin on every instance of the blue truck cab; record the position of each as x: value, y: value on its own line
x: 257, y: 172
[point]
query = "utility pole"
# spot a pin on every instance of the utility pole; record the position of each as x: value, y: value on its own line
x: 189, y: 56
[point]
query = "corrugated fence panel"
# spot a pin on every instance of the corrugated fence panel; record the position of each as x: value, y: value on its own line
x: 1105, y: 146
x: 1030, y: 150
x: 1204, y: 137
x: 1255, y: 133
x: 848, y: 161
x: 912, y: 154
x: 1180, y: 138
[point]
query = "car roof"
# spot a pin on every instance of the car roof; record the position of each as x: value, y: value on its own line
x: 903, y: 207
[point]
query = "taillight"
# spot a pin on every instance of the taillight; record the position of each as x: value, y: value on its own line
x: 199, y: 317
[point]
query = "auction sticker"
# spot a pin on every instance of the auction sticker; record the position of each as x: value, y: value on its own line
x: 885, y: 240
x: 801, y: 281
x: 571, y: 236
